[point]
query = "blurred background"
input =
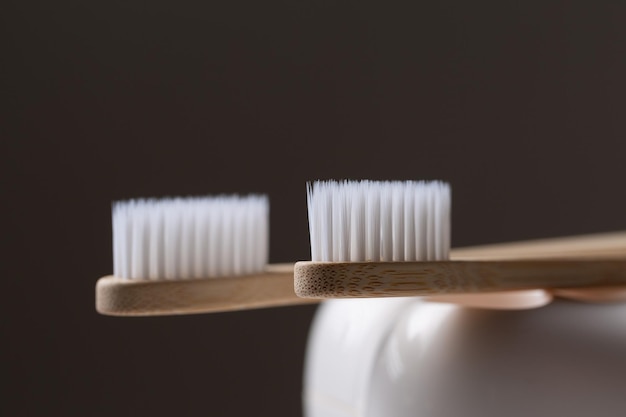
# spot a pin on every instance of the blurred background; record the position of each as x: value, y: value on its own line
x: 519, y: 105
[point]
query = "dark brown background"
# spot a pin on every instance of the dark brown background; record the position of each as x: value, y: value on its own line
x: 519, y: 105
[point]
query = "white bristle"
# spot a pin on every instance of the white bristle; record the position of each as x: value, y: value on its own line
x: 190, y: 237
x: 362, y: 221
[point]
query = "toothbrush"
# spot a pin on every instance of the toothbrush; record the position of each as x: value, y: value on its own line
x: 391, y: 238
x: 193, y: 255
x: 140, y: 285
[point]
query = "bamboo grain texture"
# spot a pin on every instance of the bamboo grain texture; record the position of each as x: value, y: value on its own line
x: 508, y: 275
x: 123, y: 297
x: 573, y: 262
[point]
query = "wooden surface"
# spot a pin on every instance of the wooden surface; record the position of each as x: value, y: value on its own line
x: 600, y: 245
x: 572, y: 262
x: 123, y: 297
x: 387, y: 279
x: 513, y: 275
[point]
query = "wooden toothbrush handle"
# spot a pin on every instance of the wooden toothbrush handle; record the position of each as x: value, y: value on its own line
x: 575, y: 267
x: 573, y: 262
x: 612, y: 244
x: 599, y: 245
x: 274, y: 288
x: 394, y: 279
x: 122, y: 297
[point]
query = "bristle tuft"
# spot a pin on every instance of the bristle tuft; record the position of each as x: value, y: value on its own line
x: 362, y: 221
x: 190, y: 237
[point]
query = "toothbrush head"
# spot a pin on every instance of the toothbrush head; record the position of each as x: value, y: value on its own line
x: 379, y: 221
x: 190, y: 237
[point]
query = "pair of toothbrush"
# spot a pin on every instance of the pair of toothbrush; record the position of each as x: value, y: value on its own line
x: 165, y: 250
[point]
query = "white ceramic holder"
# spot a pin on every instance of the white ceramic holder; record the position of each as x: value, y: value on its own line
x: 407, y: 357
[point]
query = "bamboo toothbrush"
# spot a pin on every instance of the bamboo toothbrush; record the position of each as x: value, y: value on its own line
x: 193, y: 255
x: 391, y: 238
x: 179, y: 256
